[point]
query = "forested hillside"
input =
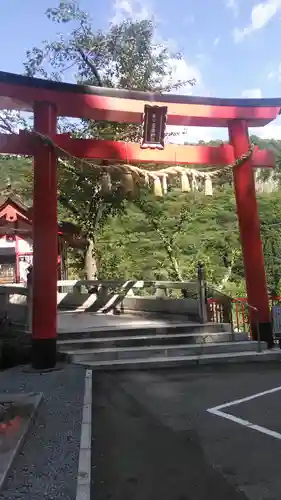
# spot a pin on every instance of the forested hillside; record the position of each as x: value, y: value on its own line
x: 133, y: 243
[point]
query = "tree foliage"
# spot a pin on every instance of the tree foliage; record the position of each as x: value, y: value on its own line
x: 124, y: 56
x: 130, y: 246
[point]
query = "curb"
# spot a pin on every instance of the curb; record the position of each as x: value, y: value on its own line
x: 182, y: 361
x: 24, y: 431
x: 83, y: 491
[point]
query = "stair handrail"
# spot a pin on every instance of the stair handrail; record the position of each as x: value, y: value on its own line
x: 255, y: 309
x: 244, y: 302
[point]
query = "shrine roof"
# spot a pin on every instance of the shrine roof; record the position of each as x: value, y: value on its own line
x: 98, y: 103
x: 12, y: 209
x: 26, y: 212
x: 13, y: 200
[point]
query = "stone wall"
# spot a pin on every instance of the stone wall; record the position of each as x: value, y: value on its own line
x: 187, y: 307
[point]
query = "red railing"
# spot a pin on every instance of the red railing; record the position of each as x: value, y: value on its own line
x: 275, y: 301
x: 217, y: 312
x: 240, y: 312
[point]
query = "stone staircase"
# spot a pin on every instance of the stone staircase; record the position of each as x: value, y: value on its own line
x: 159, y: 344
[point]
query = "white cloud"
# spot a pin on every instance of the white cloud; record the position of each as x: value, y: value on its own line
x: 195, y: 134
x: 216, y: 41
x: 261, y: 15
x: 182, y: 71
x: 270, y: 131
x: 124, y: 9
x: 252, y: 93
x: 275, y: 74
x: 206, y: 134
x: 233, y: 6
x: 192, y: 135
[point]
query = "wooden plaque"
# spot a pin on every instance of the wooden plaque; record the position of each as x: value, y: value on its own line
x: 154, y: 125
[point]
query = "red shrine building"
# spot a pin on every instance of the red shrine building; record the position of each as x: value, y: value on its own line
x: 49, y: 100
x: 16, y: 242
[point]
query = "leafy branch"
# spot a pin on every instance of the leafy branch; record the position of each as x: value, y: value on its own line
x: 153, y: 217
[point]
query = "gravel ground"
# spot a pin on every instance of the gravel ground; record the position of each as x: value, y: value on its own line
x: 46, y: 468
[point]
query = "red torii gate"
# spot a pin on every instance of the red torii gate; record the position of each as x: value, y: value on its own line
x: 48, y: 100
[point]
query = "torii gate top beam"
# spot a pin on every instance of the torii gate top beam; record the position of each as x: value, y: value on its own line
x: 126, y: 106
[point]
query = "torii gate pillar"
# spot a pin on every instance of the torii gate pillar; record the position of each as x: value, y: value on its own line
x: 45, y: 245
x: 249, y: 224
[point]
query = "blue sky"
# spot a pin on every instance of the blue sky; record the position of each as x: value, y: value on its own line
x: 230, y: 46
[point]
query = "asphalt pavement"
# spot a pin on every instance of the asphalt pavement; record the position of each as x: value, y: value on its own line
x: 153, y: 437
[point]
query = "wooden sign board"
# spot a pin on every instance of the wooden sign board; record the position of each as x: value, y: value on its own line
x: 154, y: 126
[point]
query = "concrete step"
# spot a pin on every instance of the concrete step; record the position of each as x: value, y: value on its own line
x: 147, y: 340
x: 135, y: 353
x: 160, y: 315
x: 185, y: 361
x: 142, y: 328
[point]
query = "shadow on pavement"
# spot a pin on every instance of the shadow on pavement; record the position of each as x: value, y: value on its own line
x: 136, y: 457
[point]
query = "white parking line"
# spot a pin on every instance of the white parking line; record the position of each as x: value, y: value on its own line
x: 84, y: 466
x: 216, y: 410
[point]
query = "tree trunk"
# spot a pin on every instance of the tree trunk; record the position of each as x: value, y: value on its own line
x: 228, y: 272
x: 175, y: 265
x: 170, y: 252
x: 91, y: 266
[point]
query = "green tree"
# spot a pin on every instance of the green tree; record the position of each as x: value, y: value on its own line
x: 270, y: 214
x: 167, y: 238
x: 167, y: 229
x: 124, y: 56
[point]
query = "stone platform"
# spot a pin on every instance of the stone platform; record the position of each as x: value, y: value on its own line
x: 72, y: 322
